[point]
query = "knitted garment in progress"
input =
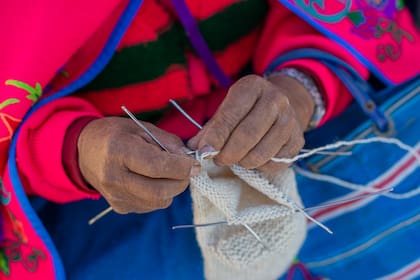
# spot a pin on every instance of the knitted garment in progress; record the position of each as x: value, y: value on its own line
x: 246, y: 198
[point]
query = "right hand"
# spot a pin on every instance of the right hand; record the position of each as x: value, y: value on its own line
x: 129, y: 169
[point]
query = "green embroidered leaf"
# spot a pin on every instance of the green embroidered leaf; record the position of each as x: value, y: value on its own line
x: 8, y: 102
x: 34, y: 92
x: 4, y: 263
x: 399, y: 4
x: 356, y: 17
x: 64, y: 73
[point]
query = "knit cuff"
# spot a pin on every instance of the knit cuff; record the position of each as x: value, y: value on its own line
x: 70, y: 154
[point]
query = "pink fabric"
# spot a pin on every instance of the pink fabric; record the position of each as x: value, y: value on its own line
x: 387, y: 38
x: 283, y: 32
x: 43, y: 35
x: 39, y: 35
x: 39, y: 150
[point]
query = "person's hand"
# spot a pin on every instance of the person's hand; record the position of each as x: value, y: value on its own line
x: 259, y: 119
x: 129, y: 169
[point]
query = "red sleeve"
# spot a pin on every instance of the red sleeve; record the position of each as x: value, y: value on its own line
x: 40, y: 149
x: 283, y: 32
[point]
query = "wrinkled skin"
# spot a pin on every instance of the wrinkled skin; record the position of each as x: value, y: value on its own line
x: 259, y: 119
x: 129, y: 169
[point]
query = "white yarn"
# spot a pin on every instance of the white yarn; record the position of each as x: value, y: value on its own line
x: 351, y: 143
x: 263, y: 231
x: 250, y: 203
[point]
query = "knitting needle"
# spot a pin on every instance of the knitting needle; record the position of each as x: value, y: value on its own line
x: 200, y: 127
x: 185, y: 113
x: 148, y: 132
x: 326, y: 205
x: 100, y: 215
x: 246, y: 226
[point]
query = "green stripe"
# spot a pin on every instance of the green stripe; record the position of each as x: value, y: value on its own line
x: 148, y: 61
x: 141, y: 63
x: 234, y: 22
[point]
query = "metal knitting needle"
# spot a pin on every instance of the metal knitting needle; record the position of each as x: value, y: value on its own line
x: 143, y: 127
x: 326, y: 205
x: 185, y: 113
x: 200, y: 127
x: 100, y: 215
x: 109, y: 209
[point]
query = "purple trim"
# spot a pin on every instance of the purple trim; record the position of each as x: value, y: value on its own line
x: 198, y: 42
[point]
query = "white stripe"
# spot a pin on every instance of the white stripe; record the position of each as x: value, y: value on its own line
x: 342, y: 210
x: 360, y: 188
x: 365, y: 245
x: 398, y: 273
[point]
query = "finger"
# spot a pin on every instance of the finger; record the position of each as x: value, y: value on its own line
x: 137, y: 205
x: 148, y: 189
x: 269, y: 145
x: 249, y: 132
x: 149, y: 160
x: 193, y: 142
x: 237, y: 104
x: 289, y: 150
x: 170, y: 141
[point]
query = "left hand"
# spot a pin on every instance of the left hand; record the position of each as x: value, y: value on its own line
x: 259, y: 119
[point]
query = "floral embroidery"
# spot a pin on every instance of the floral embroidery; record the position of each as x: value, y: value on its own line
x: 17, y: 249
x: 376, y: 20
x: 34, y: 92
x: 320, y: 13
x: 5, y: 195
x: 10, y: 123
x: 8, y: 102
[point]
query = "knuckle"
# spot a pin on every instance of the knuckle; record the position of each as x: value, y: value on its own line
x: 108, y: 180
x: 227, y: 122
x: 161, y: 193
x: 282, y: 103
x: 299, y: 143
x: 273, y: 167
x: 224, y: 159
x: 111, y: 143
x: 163, y: 204
x: 152, y: 205
x: 253, y: 160
x: 217, y: 134
x: 119, y: 207
x: 245, y: 83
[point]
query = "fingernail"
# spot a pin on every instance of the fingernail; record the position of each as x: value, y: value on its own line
x: 207, y: 151
x: 187, y: 151
x: 195, y: 170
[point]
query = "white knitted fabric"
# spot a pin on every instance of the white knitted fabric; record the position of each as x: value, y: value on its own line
x: 240, y: 196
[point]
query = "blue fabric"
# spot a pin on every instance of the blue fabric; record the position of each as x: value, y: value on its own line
x: 355, y: 84
x: 124, y: 246
x: 382, y: 236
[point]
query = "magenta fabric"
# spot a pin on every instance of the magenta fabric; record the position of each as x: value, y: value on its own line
x: 40, y: 149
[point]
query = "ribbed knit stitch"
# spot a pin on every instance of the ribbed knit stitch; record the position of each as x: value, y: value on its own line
x: 242, y: 196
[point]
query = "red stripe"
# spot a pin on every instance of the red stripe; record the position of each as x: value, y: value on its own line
x: 407, y: 272
x: 397, y: 172
x: 380, y: 185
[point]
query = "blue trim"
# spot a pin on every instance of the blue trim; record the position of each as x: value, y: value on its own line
x: 339, y: 40
x: 89, y: 75
x: 356, y: 85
